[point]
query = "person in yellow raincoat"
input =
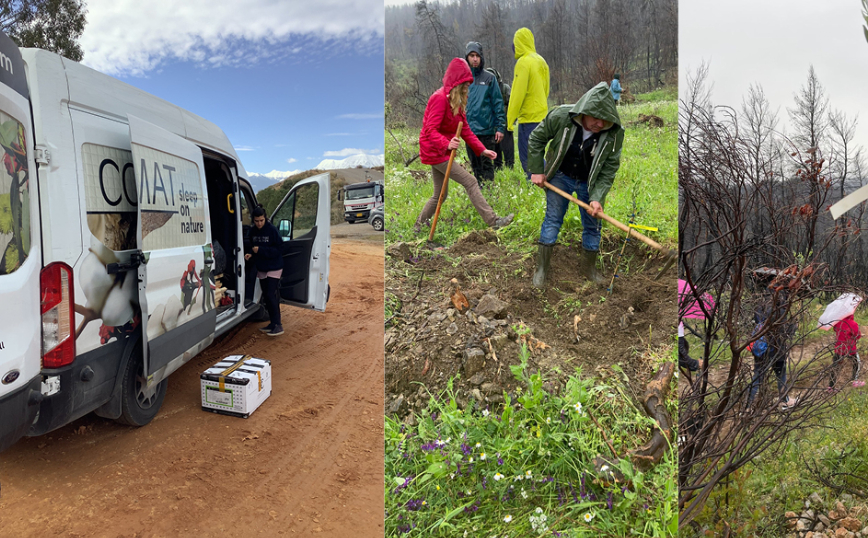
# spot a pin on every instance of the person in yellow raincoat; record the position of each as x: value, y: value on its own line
x: 528, y: 102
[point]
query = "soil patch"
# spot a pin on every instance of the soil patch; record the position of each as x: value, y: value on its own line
x: 571, y: 324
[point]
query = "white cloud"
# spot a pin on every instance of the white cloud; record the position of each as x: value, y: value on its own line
x: 374, y: 116
x: 291, y: 160
x: 346, y: 152
x: 133, y: 37
x: 244, y: 148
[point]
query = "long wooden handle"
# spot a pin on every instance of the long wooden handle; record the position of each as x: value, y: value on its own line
x: 443, y: 187
x: 630, y: 231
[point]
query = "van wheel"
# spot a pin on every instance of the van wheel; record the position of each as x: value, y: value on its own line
x: 139, y: 404
x: 377, y: 223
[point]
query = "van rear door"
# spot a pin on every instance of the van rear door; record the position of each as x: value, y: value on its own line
x: 303, y: 220
x: 20, y: 257
x: 175, y: 285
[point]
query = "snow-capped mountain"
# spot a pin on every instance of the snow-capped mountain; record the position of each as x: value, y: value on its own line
x: 261, y: 181
x: 353, y: 161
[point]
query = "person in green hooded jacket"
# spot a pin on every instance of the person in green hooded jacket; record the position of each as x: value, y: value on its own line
x: 583, y: 157
x: 528, y: 101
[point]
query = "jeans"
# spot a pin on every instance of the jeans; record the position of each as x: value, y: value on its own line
x: 272, y: 301
x: 483, y: 167
x: 524, y: 130
x: 774, y: 360
x: 556, y: 208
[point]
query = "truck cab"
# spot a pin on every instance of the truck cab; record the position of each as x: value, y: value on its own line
x: 360, y: 199
x: 122, y: 226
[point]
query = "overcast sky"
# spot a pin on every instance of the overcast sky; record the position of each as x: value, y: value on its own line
x: 291, y: 83
x: 773, y: 43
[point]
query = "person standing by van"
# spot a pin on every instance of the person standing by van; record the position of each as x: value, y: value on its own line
x: 265, y: 251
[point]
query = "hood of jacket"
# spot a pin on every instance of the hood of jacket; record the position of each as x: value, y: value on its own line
x: 523, y: 42
x: 597, y: 102
x: 476, y: 47
x: 457, y: 73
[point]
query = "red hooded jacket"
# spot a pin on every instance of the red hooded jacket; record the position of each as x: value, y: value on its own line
x: 439, y: 124
x: 848, y: 332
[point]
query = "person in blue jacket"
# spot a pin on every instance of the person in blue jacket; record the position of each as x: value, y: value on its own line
x: 264, y: 249
x: 615, y: 88
x: 484, y: 112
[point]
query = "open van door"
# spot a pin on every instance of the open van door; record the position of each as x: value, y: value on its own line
x: 174, y: 237
x: 303, y: 219
x: 28, y: 326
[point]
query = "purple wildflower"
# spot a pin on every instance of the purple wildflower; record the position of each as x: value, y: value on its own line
x: 405, y: 484
x: 466, y: 449
x: 414, y: 504
x: 609, y: 501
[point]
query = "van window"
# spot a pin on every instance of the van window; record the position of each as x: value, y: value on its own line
x: 172, y: 200
x: 246, y: 219
x: 299, y: 210
x: 110, y: 195
x: 14, y: 196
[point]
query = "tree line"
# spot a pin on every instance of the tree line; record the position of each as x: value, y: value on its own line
x: 583, y: 42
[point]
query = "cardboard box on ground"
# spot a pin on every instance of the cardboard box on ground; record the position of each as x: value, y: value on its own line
x: 236, y: 386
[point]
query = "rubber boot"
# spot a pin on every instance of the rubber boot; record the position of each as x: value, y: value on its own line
x: 588, y: 267
x: 543, y: 262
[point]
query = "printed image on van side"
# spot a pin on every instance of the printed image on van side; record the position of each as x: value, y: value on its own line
x: 14, y: 197
x: 123, y: 222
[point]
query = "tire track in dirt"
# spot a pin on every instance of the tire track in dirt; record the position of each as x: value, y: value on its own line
x: 309, y: 462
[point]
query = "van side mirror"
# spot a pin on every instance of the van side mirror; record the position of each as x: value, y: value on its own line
x: 285, y: 229
x: 340, y: 195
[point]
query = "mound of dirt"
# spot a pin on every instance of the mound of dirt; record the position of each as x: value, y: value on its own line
x: 571, y: 324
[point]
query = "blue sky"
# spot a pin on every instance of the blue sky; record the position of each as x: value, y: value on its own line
x: 291, y: 83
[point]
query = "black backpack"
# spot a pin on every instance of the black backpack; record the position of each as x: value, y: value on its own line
x: 504, y: 88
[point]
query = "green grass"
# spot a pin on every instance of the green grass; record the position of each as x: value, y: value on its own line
x: 775, y: 483
x: 648, y: 176
x: 526, y: 470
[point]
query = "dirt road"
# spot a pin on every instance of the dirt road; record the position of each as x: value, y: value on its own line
x: 309, y: 462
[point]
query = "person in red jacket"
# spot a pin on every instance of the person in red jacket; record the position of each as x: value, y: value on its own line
x: 848, y: 333
x: 446, y: 107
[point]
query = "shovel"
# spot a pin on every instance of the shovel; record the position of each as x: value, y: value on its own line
x: 443, y: 188
x: 631, y: 232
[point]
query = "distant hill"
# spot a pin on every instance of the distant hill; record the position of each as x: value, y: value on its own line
x: 261, y: 181
x: 354, y: 161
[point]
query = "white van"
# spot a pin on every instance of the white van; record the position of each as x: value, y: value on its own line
x: 122, y: 226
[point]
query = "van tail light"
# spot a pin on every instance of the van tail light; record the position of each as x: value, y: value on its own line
x: 58, y: 315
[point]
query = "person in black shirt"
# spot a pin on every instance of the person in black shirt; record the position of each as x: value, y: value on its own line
x: 264, y: 249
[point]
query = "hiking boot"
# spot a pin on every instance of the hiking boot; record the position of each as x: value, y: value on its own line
x: 276, y: 331
x: 543, y: 263
x: 788, y: 403
x: 503, y: 221
x: 267, y: 328
x: 588, y: 267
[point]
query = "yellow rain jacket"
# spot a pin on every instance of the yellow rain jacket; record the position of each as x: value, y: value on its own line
x: 530, y: 83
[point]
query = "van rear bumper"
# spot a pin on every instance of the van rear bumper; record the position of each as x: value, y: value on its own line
x: 18, y: 412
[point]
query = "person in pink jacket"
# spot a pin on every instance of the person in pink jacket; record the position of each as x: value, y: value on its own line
x: 847, y: 331
x: 446, y: 107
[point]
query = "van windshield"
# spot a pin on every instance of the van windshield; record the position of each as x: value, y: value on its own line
x: 14, y: 196
x: 357, y: 194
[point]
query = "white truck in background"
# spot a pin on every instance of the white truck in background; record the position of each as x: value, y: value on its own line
x: 360, y: 199
x: 122, y: 224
